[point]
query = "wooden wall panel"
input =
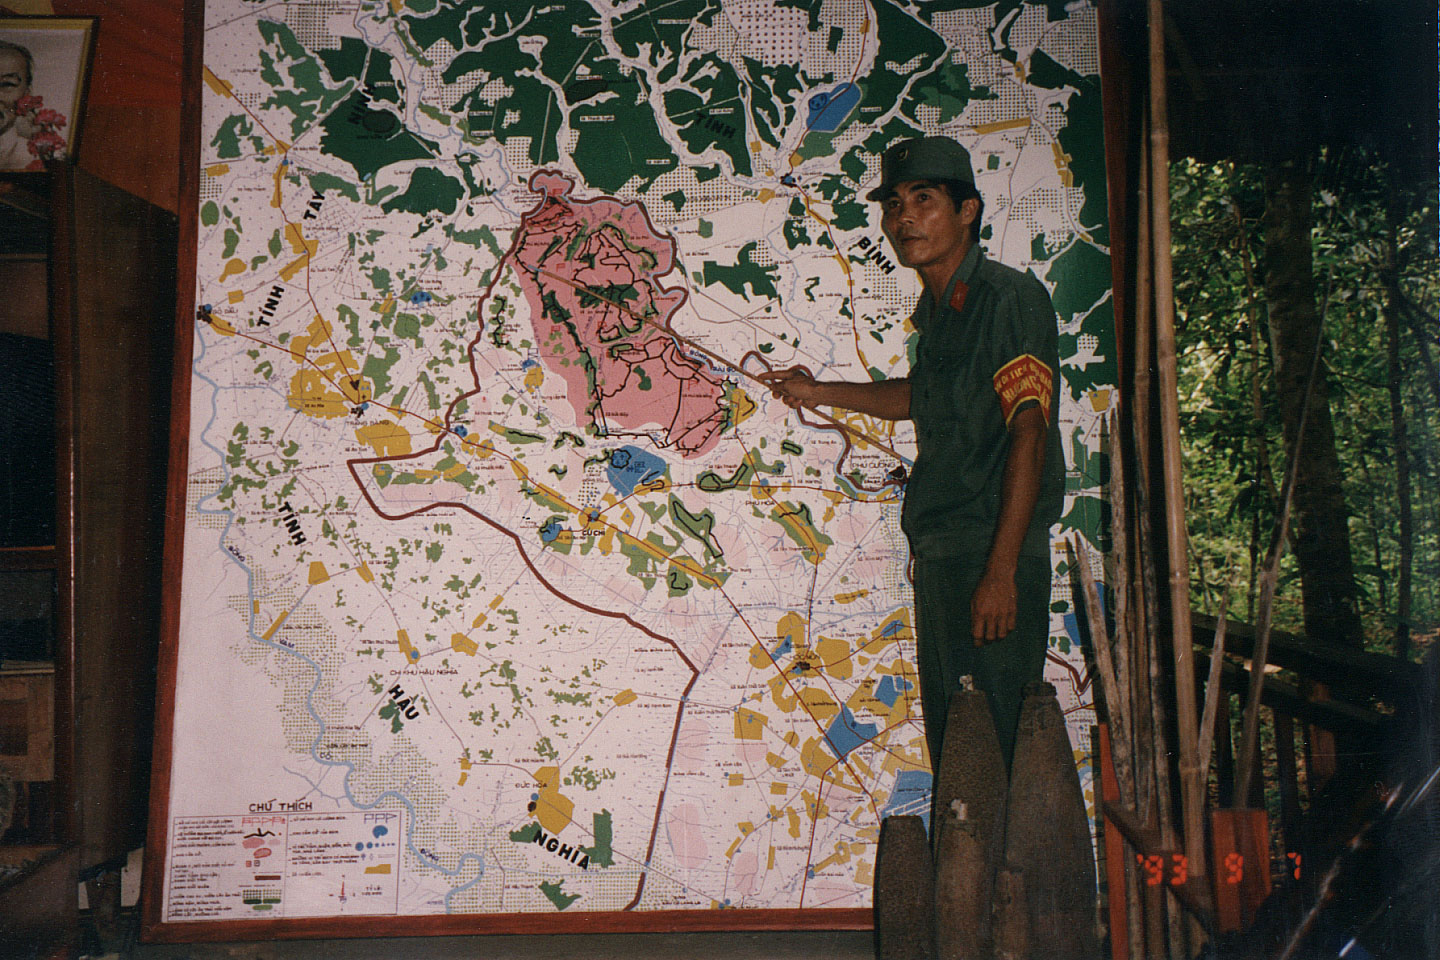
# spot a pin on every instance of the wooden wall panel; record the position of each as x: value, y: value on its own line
x: 124, y: 314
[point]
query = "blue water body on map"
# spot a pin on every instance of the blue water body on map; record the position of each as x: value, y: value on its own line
x: 380, y: 831
x: 892, y: 628
x: 459, y: 431
x: 829, y: 110
x: 420, y: 296
x: 783, y: 648
x: 631, y: 466
x: 888, y: 691
x: 845, y: 734
x: 550, y: 532
x: 911, y: 795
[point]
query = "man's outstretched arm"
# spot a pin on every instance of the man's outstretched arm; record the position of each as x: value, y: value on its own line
x: 886, y: 399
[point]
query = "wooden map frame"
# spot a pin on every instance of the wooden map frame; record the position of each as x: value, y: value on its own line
x: 153, y: 928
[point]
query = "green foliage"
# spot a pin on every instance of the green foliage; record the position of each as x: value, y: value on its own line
x: 1226, y: 368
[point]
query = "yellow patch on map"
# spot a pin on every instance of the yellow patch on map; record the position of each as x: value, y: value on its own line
x: 780, y: 693
x: 863, y: 876
x: 235, y: 296
x: 819, y: 702
x: 1062, y: 164
x: 624, y: 697
x: 852, y: 596
x: 318, y: 573
x: 1016, y: 124
x: 841, y: 855
x: 894, y: 628
x: 298, y: 243
x: 221, y: 87
x: 365, y: 574
x: 741, y: 406
x: 217, y: 169
x: 779, y: 789
x: 233, y: 268
x: 791, y: 627
x: 834, y: 655
x: 310, y: 393
x: 463, y: 644
x: 553, y: 810
x: 774, y: 759
x: 221, y: 326
x: 737, y: 779
x: 294, y: 267
x: 816, y: 760
x: 378, y: 868
x: 794, y: 819
x: 534, y: 378
x: 274, y: 626
x: 407, y: 650
x: 766, y: 195
x: 387, y: 438
x: 749, y: 725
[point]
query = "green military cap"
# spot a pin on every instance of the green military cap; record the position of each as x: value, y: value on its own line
x: 923, y: 158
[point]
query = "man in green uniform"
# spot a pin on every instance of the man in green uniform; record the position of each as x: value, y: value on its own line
x: 989, y: 477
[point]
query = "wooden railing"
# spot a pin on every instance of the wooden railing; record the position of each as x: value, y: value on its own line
x: 1334, y: 694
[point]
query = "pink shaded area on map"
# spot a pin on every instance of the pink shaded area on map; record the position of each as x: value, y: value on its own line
x: 624, y: 375
x: 744, y: 871
x: 684, y: 825
x: 691, y: 747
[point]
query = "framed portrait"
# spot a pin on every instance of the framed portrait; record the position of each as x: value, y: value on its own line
x: 44, y: 65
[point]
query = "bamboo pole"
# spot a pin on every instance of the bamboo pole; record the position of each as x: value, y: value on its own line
x: 1152, y: 737
x: 1144, y: 310
x: 1250, y: 726
x: 1192, y: 783
x: 1212, y: 687
x: 1115, y: 702
x: 1125, y: 647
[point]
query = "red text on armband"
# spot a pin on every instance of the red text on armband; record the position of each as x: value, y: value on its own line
x: 1024, y: 378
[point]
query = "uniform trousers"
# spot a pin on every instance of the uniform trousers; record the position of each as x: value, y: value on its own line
x: 946, y: 648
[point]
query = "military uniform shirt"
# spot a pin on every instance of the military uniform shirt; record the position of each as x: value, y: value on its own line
x: 987, y: 351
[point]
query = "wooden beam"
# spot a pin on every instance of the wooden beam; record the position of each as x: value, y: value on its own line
x: 1333, y: 663
x: 1330, y: 714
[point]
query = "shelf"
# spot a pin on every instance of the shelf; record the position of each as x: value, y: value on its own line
x: 27, y: 558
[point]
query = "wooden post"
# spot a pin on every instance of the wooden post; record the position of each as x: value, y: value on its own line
x: 1122, y: 908
x: 1289, y: 777
x: 1192, y: 783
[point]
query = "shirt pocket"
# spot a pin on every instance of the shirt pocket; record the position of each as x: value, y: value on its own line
x: 944, y: 394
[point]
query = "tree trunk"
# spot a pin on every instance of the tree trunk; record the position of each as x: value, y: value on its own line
x: 1398, y: 433
x: 1322, y: 541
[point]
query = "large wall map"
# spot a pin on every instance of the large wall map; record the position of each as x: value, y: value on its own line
x: 498, y: 598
